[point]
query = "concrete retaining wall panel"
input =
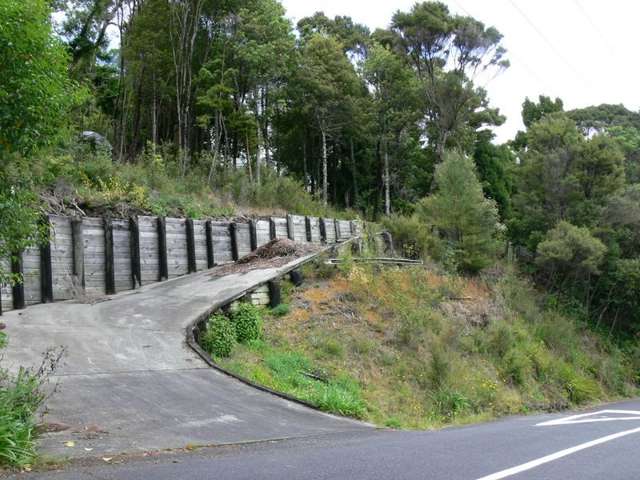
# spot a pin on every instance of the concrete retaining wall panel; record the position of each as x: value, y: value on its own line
x: 330, y: 230
x: 314, y: 223
x: 94, y: 256
x: 344, y: 230
x: 263, y: 233
x: 221, y: 242
x: 122, y: 255
x: 149, y: 250
x: 281, y: 227
x: 5, y: 289
x: 299, y: 228
x: 200, y: 242
x: 31, y: 275
x: 177, y: 261
x: 64, y: 281
x: 243, y: 239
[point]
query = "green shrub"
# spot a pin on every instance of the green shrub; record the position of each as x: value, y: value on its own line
x: 20, y: 397
x: 281, y: 310
x: 411, y: 236
x: 248, y: 322
x: 220, y: 336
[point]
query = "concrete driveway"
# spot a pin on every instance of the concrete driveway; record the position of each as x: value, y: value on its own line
x: 129, y: 382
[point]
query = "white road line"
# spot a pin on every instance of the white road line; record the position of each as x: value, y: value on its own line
x: 555, y: 456
x: 586, y: 418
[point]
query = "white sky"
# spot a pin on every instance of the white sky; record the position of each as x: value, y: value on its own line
x: 583, y: 51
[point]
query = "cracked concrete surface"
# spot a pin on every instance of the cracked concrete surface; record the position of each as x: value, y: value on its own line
x: 129, y: 382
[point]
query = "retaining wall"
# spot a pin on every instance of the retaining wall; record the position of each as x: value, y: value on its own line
x: 93, y: 256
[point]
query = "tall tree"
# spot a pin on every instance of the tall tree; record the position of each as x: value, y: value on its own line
x: 448, y: 52
x: 397, y: 105
x: 327, y: 84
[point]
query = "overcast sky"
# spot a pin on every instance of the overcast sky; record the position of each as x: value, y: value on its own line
x: 583, y: 51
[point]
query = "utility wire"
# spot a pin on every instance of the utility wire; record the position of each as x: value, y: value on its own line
x: 512, y: 54
x: 550, y: 44
x: 595, y: 27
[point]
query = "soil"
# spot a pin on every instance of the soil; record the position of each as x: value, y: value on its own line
x: 274, y: 254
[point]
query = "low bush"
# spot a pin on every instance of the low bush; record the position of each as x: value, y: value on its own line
x: 281, y: 310
x: 20, y: 398
x: 247, y: 322
x: 219, y: 337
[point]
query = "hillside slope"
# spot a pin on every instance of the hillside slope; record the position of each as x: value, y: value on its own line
x: 413, y: 348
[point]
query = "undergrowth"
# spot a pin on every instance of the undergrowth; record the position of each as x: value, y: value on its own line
x: 78, y: 178
x: 21, y: 395
x: 410, y: 348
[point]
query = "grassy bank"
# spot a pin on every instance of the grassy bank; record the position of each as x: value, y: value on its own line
x: 76, y: 179
x: 411, y: 348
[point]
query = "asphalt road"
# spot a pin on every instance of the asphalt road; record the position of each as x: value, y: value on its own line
x: 602, y: 443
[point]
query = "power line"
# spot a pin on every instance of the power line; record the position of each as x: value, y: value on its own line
x: 511, y: 53
x: 550, y: 44
x: 595, y: 27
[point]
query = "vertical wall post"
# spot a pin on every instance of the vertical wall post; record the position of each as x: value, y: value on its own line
x: 323, y: 230
x: 46, y: 272
x: 354, y: 230
x: 136, y: 269
x: 162, y: 248
x: 290, y: 228
x: 234, y: 241
x: 109, y: 265
x: 17, y: 290
x: 307, y: 227
x: 78, y: 252
x: 210, y: 254
x: 191, y: 246
x: 336, y: 226
x: 253, y: 234
x: 274, y: 293
x: 272, y: 228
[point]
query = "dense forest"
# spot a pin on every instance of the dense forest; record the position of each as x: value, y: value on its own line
x: 229, y: 99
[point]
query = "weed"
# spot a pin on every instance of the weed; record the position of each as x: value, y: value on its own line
x: 281, y: 310
x: 248, y: 322
x: 220, y: 336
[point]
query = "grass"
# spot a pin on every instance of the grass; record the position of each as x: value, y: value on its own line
x: 77, y: 178
x: 411, y: 348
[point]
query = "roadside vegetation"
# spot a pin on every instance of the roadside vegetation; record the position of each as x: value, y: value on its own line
x: 21, y: 396
x: 416, y: 348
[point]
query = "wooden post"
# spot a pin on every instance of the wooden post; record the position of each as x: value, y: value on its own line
x: 109, y: 267
x: 323, y: 230
x: 191, y: 246
x: 162, y: 248
x: 336, y: 225
x: 46, y: 272
x: 274, y: 293
x: 307, y: 226
x: 17, y: 290
x: 234, y: 241
x: 136, y: 268
x: 290, y: 228
x: 253, y: 234
x: 354, y: 230
x: 272, y: 228
x: 210, y: 254
x: 78, y: 252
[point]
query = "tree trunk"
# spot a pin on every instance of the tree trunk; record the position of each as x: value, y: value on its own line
x: 304, y: 160
x: 387, y: 188
x: 324, y: 166
x: 353, y: 172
